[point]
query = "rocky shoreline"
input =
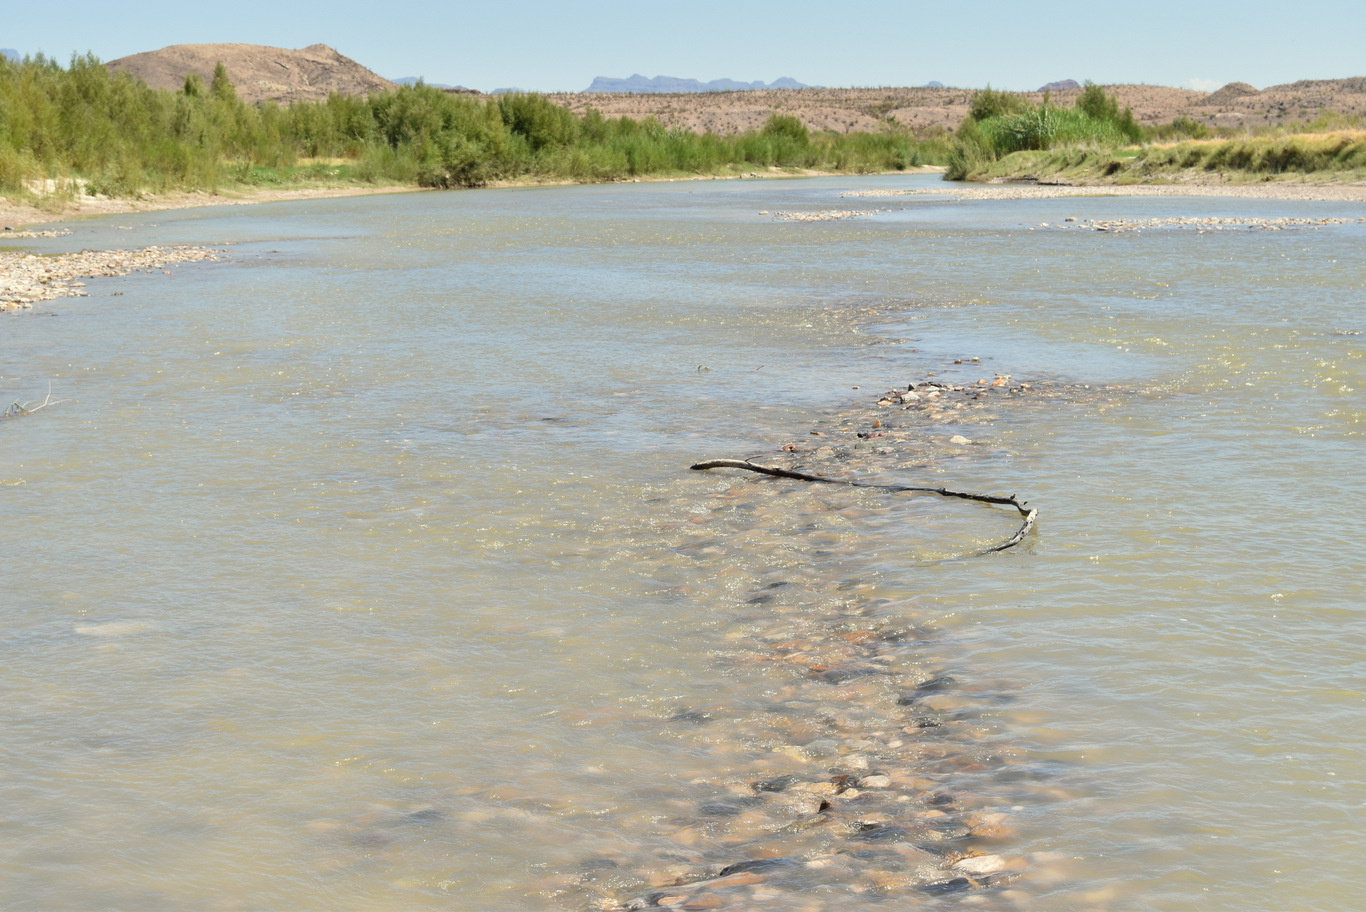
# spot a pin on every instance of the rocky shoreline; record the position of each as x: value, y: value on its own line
x: 16, y: 213
x: 1282, y: 190
x: 29, y: 278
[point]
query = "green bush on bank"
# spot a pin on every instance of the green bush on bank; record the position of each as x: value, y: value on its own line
x: 999, y: 124
x: 122, y: 137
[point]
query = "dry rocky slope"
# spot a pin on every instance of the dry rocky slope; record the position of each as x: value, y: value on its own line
x: 259, y: 73
x: 850, y: 110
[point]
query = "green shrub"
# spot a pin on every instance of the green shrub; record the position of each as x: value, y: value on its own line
x: 787, y: 127
x: 990, y: 103
x: 538, y: 120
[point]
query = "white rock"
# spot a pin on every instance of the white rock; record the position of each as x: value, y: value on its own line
x: 981, y: 864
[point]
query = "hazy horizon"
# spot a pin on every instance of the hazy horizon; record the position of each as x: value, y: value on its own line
x: 541, y: 46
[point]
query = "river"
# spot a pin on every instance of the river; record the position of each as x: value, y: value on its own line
x: 363, y: 568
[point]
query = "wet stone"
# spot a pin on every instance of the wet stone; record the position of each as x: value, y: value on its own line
x: 939, y: 832
x: 424, y: 816
x: 948, y: 887
x: 936, y: 684
x: 880, y: 833
x: 757, y: 864
x: 779, y: 784
x: 982, y: 864
x: 796, y: 804
x: 845, y: 675
x: 720, y: 810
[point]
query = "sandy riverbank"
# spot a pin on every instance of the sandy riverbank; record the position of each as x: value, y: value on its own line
x: 16, y: 214
x: 1282, y: 190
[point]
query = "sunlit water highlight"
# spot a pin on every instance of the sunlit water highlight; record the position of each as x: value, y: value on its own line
x: 363, y: 570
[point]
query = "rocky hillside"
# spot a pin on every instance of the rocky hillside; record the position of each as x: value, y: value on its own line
x: 848, y: 110
x: 259, y: 73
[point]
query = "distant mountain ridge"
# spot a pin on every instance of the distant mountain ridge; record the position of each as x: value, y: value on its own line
x: 673, y: 85
x: 452, y: 89
x: 414, y: 80
x: 11, y: 53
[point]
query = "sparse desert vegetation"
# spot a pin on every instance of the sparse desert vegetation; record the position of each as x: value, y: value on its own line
x: 81, y: 131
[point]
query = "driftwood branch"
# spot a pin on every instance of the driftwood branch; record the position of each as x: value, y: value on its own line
x: 1029, y: 513
x: 20, y: 409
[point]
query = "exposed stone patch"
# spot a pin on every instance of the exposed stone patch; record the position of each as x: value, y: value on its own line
x: 27, y: 278
x: 829, y: 215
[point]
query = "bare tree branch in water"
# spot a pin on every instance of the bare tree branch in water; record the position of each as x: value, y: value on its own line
x: 1029, y: 514
x: 19, y: 409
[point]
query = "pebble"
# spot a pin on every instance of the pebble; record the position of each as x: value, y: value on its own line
x: 982, y: 864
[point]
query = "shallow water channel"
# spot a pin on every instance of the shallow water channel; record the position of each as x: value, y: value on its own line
x: 363, y: 568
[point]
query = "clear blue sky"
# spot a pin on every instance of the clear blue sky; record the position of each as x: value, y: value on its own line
x: 549, y: 46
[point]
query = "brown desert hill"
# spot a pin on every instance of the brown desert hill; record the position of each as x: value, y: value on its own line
x: 1230, y: 93
x: 259, y: 73
x: 1234, y: 105
x: 851, y: 110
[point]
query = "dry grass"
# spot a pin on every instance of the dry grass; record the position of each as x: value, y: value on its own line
x: 1337, y: 156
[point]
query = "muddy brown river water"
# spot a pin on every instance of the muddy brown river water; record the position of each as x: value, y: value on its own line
x: 362, y: 567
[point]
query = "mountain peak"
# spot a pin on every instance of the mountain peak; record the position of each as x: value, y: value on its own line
x: 673, y: 85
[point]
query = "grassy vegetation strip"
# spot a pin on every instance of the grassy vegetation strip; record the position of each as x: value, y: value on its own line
x: 1330, y: 157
